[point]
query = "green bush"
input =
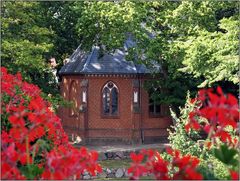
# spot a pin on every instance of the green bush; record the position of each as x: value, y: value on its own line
x: 213, y: 169
x: 215, y: 163
x: 179, y: 138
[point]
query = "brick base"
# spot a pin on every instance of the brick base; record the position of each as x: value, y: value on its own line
x: 156, y: 139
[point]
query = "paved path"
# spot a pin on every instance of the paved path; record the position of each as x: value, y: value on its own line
x: 115, y: 148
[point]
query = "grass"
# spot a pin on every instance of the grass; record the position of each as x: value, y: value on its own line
x: 125, y: 178
x: 115, y: 163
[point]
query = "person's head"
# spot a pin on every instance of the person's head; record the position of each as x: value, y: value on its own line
x: 52, y: 62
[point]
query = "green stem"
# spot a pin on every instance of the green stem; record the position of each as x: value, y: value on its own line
x: 27, y: 150
x: 34, y: 152
x: 208, y: 138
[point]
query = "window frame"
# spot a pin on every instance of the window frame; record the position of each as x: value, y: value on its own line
x: 110, y: 115
x: 154, y: 114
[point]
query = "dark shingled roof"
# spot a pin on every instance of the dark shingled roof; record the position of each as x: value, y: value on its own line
x: 82, y: 63
x: 91, y: 63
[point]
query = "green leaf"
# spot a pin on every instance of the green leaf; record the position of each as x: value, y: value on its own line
x: 31, y: 171
x: 226, y: 155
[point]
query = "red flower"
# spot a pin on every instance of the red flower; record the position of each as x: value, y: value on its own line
x: 234, y: 175
x: 36, y: 132
x: 18, y: 134
x: 10, y: 153
x: 137, y: 158
x: 223, y: 135
x: 220, y: 110
x: 10, y: 173
x: 137, y: 169
x: 63, y: 163
x: 160, y: 168
x: 183, y: 167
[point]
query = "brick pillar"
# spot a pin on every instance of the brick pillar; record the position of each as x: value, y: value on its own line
x: 83, y: 110
x: 136, y: 133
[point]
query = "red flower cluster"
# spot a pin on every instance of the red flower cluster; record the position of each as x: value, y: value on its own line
x: 180, y: 168
x: 27, y: 125
x: 220, y: 111
x: 64, y: 163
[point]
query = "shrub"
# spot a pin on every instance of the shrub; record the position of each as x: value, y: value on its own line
x: 178, y: 137
x: 215, y: 113
x: 213, y: 169
x: 221, y: 115
x: 34, y: 144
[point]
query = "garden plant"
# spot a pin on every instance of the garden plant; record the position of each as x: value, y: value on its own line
x: 215, y: 114
x: 33, y: 142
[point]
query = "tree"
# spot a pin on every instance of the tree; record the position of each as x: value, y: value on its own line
x: 26, y: 43
x: 61, y: 18
x: 194, y: 42
x: 107, y: 23
x: 214, y: 55
x: 174, y: 34
x: 209, y: 40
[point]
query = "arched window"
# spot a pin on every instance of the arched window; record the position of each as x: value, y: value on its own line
x: 154, y: 105
x: 73, y: 98
x: 110, y: 99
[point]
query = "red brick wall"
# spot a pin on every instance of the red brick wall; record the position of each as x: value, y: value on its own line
x: 125, y: 126
x: 95, y: 103
x: 71, y: 123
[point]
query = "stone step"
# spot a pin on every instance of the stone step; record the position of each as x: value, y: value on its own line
x: 124, y: 153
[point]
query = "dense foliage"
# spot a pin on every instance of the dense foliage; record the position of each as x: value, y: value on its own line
x: 216, y: 114
x: 195, y: 43
x: 26, y: 43
x: 33, y: 142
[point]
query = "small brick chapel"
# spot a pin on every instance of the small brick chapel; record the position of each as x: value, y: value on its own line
x: 110, y: 104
